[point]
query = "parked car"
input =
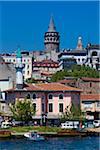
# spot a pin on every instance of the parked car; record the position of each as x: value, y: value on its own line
x: 96, y: 123
x: 17, y: 123
x: 70, y: 125
x: 6, y: 124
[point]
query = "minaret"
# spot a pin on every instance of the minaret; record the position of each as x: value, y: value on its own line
x: 79, y: 44
x: 19, y: 67
x: 51, y: 37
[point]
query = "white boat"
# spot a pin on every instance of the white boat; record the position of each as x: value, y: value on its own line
x: 34, y: 136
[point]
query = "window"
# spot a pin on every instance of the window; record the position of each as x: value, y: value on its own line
x: 3, y: 107
x: 78, y: 59
x: 42, y: 97
x: 42, y: 107
x: 98, y: 104
x: 88, y: 105
x: 34, y: 96
x: 27, y: 66
x: 28, y: 96
x: 94, y: 53
x: 34, y: 106
x: 27, y: 72
x: 90, y: 84
x: 61, y: 96
x: 83, y: 59
x: 50, y: 107
x: 50, y: 96
x: 61, y: 107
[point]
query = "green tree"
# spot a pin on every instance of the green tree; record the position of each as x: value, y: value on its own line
x: 31, y: 80
x: 59, y: 75
x: 23, y: 110
x: 76, y: 71
x: 74, y: 113
x: 83, y: 71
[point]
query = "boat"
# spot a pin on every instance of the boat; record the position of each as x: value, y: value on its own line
x: 34, y: 136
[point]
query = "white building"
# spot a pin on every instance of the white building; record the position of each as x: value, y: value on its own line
x: 26, y: 61
x: 93, y: 56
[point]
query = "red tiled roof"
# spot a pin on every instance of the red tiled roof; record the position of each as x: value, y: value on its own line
x: 91, y: 79
x: 56, y: 87
x: 46, y: 73
x: 46, y: 87
x: 65, y: 81
x: 90, y: 97
x: 46, y: 63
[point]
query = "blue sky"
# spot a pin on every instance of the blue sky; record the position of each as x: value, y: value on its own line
x: 24, y: 23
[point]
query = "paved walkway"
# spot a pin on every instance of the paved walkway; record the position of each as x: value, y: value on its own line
x: 94, y: 129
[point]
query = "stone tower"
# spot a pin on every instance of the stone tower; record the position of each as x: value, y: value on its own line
x: 51, y: 37
x: 19, y: 67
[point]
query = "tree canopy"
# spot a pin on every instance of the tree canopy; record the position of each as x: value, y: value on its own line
x: 76, y: 71
x: 75, y: 113
x: 22, y: 110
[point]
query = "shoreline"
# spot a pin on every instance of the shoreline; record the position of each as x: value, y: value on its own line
x: 7, y: 134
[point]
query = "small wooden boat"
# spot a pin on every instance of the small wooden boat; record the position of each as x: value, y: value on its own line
x: 34, y: 136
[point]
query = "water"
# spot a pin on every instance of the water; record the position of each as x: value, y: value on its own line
x: 68, y: 143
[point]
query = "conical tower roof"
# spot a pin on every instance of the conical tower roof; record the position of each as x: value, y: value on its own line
x: 51, y: 27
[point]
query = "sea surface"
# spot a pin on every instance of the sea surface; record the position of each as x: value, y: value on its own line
x: 68, y: 143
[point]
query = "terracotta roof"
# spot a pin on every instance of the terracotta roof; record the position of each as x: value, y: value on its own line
x: 91, y: 79
x: 56, y: 87
x: 65, y: 81
x: 47, y: 74
x: 46, y: 87
x: 27, y: 87
x: 90, y: 97
x: 46, y: 63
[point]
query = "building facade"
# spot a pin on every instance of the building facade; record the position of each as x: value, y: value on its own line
x: 26, y: 61
x: 49, y: 99
x: 87, y: 85
x: 93, y: 56
x: 68, y: 58
x: 90, y: 105
x: 43, y: 69
x: 7, y: 75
